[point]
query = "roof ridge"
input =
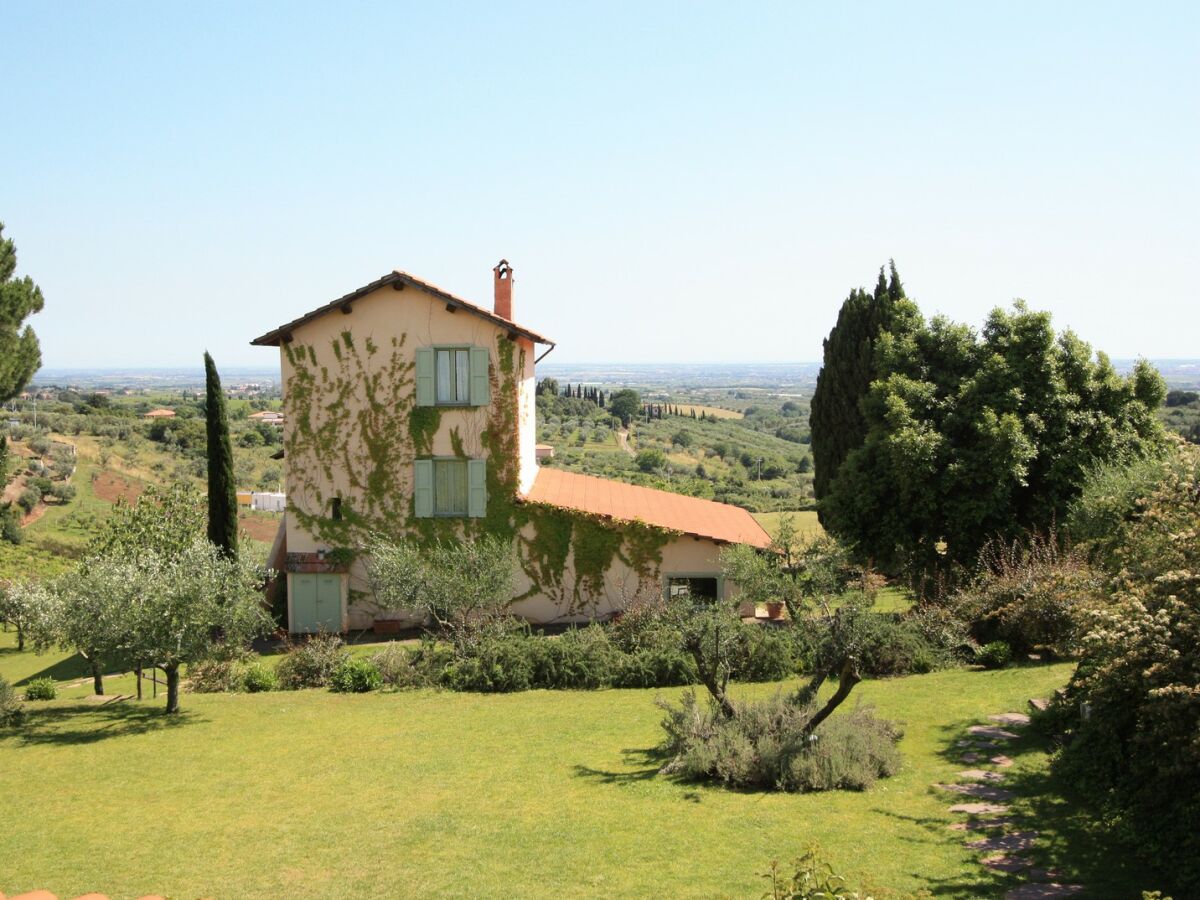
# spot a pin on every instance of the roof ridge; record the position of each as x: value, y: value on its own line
x: 398, y: 276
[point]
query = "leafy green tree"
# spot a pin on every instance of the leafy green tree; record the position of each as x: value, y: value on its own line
x: 163, y: 521
x: 222, y: 489
x: 849, y: 366
x: 183, y: 608
x: 20, y: 353
x: 976, y: 437
x: 651, y: 460
x: 625, y: 404
x: 460, y: 587
x: 90, y: 613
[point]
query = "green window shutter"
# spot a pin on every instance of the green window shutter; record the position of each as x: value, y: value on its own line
x: 424, y: 376
x: 476, y: 488
x: 423, y: 488
x: 480, y: 385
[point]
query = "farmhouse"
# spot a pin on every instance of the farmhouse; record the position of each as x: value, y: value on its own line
x: 409, y: 411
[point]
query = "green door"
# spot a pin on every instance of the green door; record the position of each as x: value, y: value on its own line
x: 316, y: 603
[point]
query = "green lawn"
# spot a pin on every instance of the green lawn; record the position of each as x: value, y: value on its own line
x: 805, y: 521
x: 313, y: 794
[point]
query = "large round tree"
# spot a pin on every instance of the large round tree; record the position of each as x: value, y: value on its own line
x: 971, y: 437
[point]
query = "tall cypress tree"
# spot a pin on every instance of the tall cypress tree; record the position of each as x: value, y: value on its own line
x: 222, y: 493
x: 848, y: 369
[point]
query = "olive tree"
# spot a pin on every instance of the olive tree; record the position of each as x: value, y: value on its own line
x: 170, y: 609
x: 458, y: 586
x: 28, y: 606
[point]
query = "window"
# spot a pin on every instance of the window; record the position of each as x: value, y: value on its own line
x: 453, y: 378
x: 449, y: 487
x: 704, y: 587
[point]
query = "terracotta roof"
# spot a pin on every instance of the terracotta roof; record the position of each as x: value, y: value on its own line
x: 628, y: 502
x: 159, y: 414
x: 399, y: 280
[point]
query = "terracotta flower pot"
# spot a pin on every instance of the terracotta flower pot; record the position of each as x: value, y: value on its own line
x: 774, y: 610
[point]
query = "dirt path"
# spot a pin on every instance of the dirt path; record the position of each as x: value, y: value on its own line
x: 623, y: 441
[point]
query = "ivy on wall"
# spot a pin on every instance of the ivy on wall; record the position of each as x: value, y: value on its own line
x: 357, y: 422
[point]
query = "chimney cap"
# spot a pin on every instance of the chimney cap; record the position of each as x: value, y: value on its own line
x: 503, y: 269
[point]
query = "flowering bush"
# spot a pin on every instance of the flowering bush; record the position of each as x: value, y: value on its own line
x: 1133, y: 706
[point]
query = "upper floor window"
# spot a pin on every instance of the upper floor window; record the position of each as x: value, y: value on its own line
x: 452, y: 376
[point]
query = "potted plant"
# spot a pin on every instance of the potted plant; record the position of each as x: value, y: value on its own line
x: 775, y: 609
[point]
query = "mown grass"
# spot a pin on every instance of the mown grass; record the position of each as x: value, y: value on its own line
x: 313, y: 794
x: 805, y: 521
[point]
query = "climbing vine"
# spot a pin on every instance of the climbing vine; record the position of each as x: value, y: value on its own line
x: 356, y: 431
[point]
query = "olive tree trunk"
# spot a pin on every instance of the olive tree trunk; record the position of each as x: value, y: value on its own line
x: 172, y: 672
x: 97, y: 675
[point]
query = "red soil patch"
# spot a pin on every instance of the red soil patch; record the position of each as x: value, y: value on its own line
x: 110, y: 487
x: 259, y: 528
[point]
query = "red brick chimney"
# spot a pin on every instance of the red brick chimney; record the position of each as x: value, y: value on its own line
x: 503, y: 284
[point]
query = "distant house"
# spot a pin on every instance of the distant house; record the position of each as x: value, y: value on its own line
x: 410, y: 411
x: 268, y: 416
x: 160, y: 414
x: 543, y: 451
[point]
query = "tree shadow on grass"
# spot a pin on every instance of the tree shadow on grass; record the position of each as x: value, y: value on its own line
x: 651, y: 759
x: 69, y: 669
x: 79, y: 724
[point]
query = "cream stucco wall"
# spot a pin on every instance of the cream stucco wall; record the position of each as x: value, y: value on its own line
x: 684, y: 555
x: 420, y: 320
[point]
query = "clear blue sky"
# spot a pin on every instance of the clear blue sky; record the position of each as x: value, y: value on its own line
x: 672, y: 182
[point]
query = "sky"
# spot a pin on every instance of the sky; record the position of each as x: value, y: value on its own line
x: 672, y: 182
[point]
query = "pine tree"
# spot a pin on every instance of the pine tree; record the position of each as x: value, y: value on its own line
x: 222, y: 493
x: 20, y: 353
x: 848, y: 369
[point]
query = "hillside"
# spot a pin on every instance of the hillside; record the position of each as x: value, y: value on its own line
x: 743, y: 446
x: 87, y: 452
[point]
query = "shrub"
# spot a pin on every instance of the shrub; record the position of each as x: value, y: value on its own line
x: 995, y: 655
x: 1029, y: 594
x: 581, y: 658
x: 767, y: 745
x: 311, y: 662
x: 884, y: 644
x: 41, y: 689
x: 496, y: 663
x: 212, y: 676
x: 654, y: 666
x: 257, y: 677
x: 10, y: 525
x: 944, y: 632
x: 397, y: 667
x: 813, y: 878
x: 765, y: 654
x: 28, y: 499
x: 355, y: 675
x: 1130, y: 710
x: 11, y: 711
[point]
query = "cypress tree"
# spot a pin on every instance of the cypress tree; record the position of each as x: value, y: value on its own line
x: 222, y: 494
x: 847, y: 370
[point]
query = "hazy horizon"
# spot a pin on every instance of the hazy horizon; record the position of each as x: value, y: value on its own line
x: 673, y: 183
